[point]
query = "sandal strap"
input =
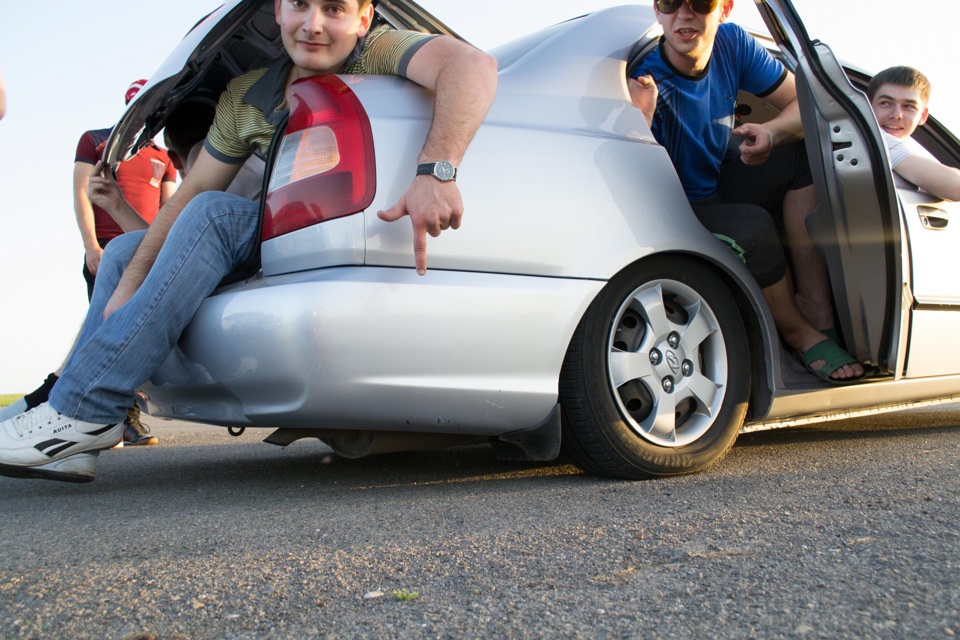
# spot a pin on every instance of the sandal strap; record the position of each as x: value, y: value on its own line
x: 831, y: 353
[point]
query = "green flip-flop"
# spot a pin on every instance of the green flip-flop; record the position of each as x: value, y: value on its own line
x: 833, y: 357
x: 833, y: 334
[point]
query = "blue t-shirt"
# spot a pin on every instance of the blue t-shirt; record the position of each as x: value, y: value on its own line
x: 694, y: 115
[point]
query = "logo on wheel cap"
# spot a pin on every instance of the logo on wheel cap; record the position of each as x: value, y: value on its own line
x: 673, y: 362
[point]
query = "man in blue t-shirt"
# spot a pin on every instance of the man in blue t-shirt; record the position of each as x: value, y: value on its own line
x: 687, y: 90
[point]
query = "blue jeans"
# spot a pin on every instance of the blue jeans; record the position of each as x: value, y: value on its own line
x: 210, y: 239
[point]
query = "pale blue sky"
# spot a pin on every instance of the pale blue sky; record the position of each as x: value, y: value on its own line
x: 66, y: 66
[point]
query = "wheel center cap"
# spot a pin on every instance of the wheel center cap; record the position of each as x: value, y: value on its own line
x: 673, y: 362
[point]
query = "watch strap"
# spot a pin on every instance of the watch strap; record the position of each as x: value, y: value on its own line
x: 430, y: 169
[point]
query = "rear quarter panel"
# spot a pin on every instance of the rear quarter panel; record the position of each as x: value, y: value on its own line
x: 563, y: 179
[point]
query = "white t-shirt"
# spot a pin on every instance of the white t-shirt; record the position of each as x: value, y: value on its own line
x: 900, y: 148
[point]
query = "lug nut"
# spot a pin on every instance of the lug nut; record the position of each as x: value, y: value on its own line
x: 686, y: 368
x: 668, y: 384
x: 673, y: 339
x: 655, y: 357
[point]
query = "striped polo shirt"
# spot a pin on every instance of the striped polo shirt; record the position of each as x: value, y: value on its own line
x: 254, y: 103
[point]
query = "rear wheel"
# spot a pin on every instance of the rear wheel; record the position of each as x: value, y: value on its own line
x: 657, y: 376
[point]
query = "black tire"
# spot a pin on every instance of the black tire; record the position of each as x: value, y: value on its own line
x: 657, y: 376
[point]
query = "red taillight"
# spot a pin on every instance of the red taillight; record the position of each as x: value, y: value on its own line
x: 325, y: 168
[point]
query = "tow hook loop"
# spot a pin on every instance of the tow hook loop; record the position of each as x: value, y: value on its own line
x: 236, y: 432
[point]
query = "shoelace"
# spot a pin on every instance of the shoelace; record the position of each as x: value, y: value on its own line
x: 139, y: 428
x: 133, y: 419
x: 26, y: 422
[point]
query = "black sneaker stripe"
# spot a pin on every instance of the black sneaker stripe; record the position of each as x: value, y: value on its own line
x: 98, y: 432
x: 53, y: 447
x: 57, y: 450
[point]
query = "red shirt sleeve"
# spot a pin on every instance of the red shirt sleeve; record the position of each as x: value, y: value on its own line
x: 87, y: 150
x: 170, y: 175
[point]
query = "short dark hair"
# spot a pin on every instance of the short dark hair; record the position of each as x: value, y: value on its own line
x: 187, y: 125
x: 902, y: 77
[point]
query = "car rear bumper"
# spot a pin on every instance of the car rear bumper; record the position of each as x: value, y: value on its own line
x: 375, y: 348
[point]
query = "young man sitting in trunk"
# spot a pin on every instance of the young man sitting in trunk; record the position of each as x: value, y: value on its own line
x: 151, y: 283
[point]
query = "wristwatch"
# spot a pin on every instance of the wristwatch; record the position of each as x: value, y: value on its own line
x: 442, y: 171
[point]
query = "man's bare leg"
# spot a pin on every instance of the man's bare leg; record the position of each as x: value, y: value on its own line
x: 797, y: 331
x: 813, y: 297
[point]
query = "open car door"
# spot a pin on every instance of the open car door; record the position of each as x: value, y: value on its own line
x: 857, y: 225
x: 933, y: 233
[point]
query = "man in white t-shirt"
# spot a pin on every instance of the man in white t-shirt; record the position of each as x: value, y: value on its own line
x: 899, y: 97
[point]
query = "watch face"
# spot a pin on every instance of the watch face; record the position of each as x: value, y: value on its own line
x: 444, y: 171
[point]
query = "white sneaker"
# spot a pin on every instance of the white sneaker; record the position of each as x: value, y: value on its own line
x: 13, y: 409
x: 80, y: 467
x: 42, y: 435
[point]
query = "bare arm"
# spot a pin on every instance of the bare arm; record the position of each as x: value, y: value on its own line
x: 465, y: 81
x: 643, y: 95
x: 167, y: 189
x: 83, y: 209
x: 3, y: 98
x: 208, y: 174
x: 104, y: 192
x: 760, y: 139
x: 936, y: 179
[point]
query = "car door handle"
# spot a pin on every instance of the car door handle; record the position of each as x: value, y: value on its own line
x: 933, y: 218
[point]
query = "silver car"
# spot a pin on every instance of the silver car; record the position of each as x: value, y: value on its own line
x: 581, y: 306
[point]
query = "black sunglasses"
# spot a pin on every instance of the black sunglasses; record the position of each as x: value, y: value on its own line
x: 700, y: 6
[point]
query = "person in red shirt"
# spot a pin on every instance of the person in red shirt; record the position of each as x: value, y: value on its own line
x: 147, y: 181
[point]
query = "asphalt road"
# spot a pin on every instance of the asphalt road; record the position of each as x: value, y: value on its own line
x: 841, y: 530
